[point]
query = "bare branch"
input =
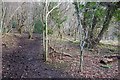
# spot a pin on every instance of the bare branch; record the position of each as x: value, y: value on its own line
x: 53, y: 9
x: 15, y: 12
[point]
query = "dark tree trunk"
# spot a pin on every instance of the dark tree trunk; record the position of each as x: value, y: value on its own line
x: 21, y: 29
x: 75, y: 38
x: 94, y: 22
x: 109, y: 14
x: 30, y: 35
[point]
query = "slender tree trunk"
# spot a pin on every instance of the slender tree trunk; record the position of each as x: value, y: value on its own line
x: 43, y: 40
x: 91, y: 33
x: 80, y: 27
x: 3, y: 18
x: 75, y: 37
x: 21, y: 29
x: 31, y: 20
x: 30, y: 35
x: 46, y: 31
x: 59, y: 33
x: 31, y: 31
x: 94, y: 22
x: 43, y: 26
x: 81, y: 61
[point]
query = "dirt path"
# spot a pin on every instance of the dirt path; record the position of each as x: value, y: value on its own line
x: 23, y: 58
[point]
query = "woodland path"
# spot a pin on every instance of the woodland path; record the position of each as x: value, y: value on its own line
x: 23, y: 58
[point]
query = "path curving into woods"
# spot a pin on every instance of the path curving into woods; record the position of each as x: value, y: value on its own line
x: 23, y: 58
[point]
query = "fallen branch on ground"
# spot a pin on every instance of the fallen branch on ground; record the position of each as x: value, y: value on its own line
x: 62, y: 53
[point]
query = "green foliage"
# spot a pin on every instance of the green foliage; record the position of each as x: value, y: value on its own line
x: 50, y: 31
x: 81, y: 6
x: 38, y: 27
x: 58, y: 17
x: 91, y: 9
x: 14, y: 24
x: 117, y: 15
x: 100, y: 12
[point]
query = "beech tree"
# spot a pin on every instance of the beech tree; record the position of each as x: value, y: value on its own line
x: 46, y: 26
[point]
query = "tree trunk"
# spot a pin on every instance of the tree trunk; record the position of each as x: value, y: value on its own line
x: 46, y: 29
x: 80, y: 27
x: 21, y: 29
x: 60, y: 34
x: 30, y: 35
x: 3, y: 19
x: 46, y: 34
x: 43, y: 40
x: 81, y: 61
x: 109, y: 14
x: 75, y: 37
x: 94, y: 22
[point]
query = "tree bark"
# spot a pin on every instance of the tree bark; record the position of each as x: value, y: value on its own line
x: 46, y: 29
x: 81, y: 34
x: 109, y: 14
x: 46, y: 35
x: 94, y: 22
x: 3, y: 17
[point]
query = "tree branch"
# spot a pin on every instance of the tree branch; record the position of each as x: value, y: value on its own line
x: 15, y: 12
x: 52, y: 9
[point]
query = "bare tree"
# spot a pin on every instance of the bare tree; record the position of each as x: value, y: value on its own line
x: 46, y: 25
x: 2, y: 16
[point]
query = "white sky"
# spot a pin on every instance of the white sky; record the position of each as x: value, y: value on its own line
x: 60, y: 0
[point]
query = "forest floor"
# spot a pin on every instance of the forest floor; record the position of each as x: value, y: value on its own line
x: 23, y: 58
x: 91, y: 65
